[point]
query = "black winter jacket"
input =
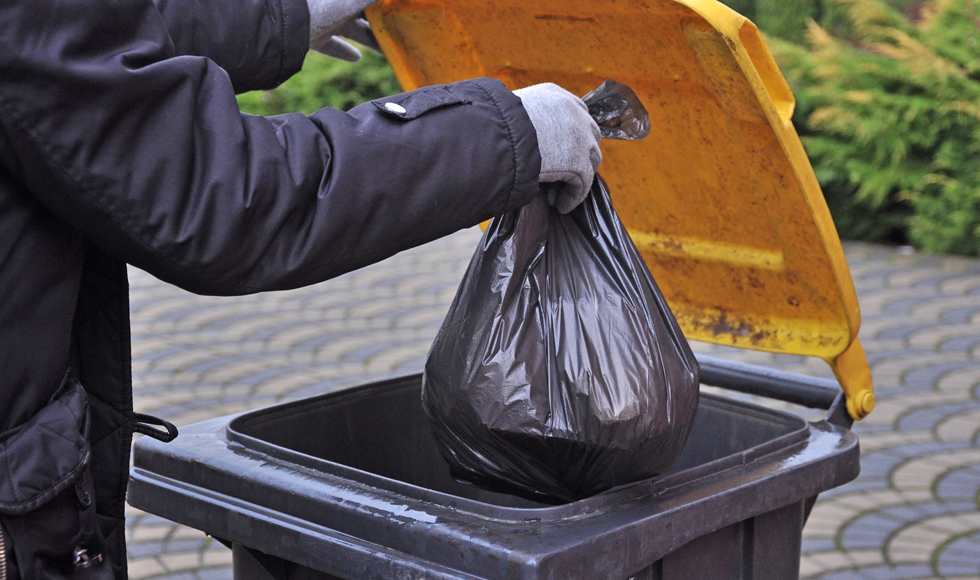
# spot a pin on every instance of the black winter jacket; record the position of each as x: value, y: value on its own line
x: 121, y: 142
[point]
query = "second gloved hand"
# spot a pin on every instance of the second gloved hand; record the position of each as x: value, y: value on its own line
x: 568, y: 139
x: 331, y: 19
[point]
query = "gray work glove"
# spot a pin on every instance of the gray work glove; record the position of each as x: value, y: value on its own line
x: 331, y: 19
x: 568, y: 139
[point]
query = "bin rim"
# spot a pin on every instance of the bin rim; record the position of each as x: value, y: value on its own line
x: 797, y: 437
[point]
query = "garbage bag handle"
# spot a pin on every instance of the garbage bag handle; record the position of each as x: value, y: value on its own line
x: 805, y: 390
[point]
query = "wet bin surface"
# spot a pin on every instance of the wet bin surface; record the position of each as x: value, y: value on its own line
x: 351, y: 484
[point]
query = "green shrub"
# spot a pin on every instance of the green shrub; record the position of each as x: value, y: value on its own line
x: 325, y: 82
x: 785, y: 18
x: 744, y: 7
x: 890, y: 115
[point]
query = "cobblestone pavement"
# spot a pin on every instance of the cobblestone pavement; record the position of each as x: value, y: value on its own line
x: 912, y: 514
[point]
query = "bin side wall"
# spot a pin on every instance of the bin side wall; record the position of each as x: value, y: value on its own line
x: 766, y: 547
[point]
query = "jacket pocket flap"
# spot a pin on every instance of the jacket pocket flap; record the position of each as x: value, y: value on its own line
x: 411, y: 105
x: 42, y: 457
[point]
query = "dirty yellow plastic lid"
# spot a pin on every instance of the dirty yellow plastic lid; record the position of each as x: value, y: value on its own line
x: 720, y: 198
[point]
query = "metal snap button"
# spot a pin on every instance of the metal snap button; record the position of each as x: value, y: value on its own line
x: 82, y: 560
x: 395, y: 108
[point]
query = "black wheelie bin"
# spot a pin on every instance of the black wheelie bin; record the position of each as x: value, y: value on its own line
x: 351, y: 485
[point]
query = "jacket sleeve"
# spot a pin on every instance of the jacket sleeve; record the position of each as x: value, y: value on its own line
x: 148, y: 155
x: 260, y: 43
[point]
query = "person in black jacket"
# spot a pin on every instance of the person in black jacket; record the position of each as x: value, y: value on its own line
x: 121, y: 142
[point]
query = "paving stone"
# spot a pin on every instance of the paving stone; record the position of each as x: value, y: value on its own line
x: 927, y: 419
x: 809, y: 567
x: 924, y: 539
x: 929, y: 375
x: 145, y: 567
x: 897, y: 572
x: 834, y: 511
x: 960, y: 380
x: 967, y: 521
x: 871, y: 530
x: 922, y: 471
x: 845, y: 575
x: 865, y: 558
x: 830, y: 561
x: 893, y: 409
x: 214, y: 574
x: 960, y: 343
x: 811, y: 544
x: 961, y: 484
x: 150, y: 533
x: 216, y: 557
x: 959, y: 557
x: 959, y: 428
x: 871, y: 442
x: 180, y: 561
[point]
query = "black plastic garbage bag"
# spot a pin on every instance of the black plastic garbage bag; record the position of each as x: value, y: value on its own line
x: 560, y: 371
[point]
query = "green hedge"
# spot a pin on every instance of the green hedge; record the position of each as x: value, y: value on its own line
x: 325, y: 82
x: 787, y: 19
x: 889, y: 111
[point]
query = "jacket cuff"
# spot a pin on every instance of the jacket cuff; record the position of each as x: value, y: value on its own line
x: 294, y: 27
x: 523, y: 140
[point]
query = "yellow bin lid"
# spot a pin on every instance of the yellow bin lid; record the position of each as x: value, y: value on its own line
x: 720, y: 198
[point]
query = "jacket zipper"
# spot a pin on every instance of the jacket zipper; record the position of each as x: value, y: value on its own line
x: 3, y: 554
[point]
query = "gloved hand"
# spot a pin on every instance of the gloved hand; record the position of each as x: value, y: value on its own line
x: 330, y: 19
x: 568, y: 139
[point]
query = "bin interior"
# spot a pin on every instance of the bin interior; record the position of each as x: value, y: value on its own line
x: 381, y: 429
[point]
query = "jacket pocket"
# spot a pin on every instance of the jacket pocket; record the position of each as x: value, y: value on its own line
x: 45, y: 456
x: 47, y: 499
x: 416, y: 103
